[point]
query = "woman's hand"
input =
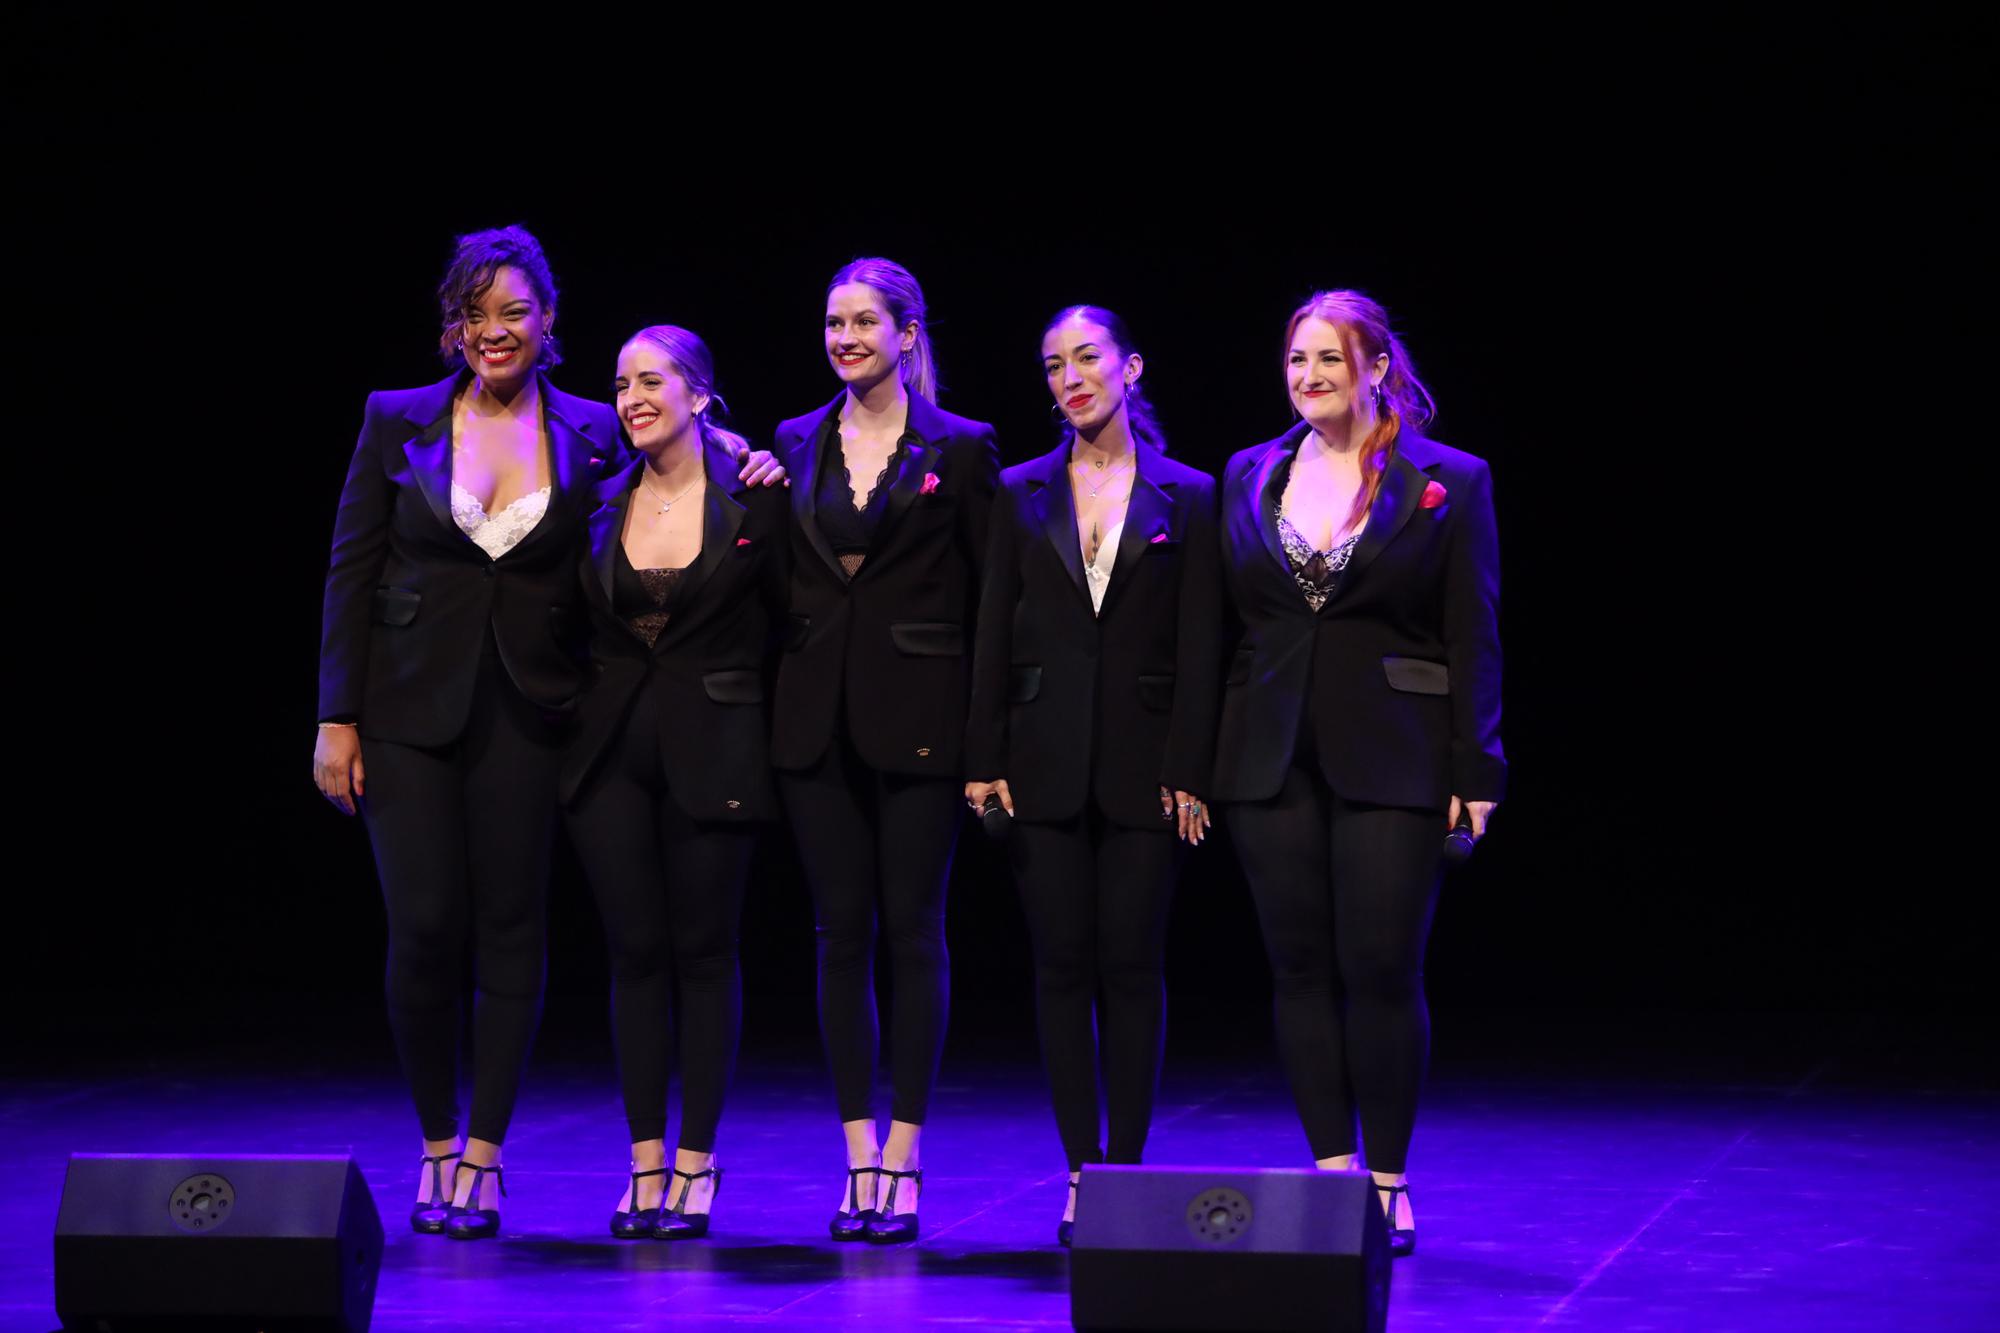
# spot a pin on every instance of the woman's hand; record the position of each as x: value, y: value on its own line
x: 1481, y: 811
x: 977, y: 792
x: 761, y: 468
x: 337, y: 767
x: 1190, y: 815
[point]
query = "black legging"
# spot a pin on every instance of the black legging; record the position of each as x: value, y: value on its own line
x: 1345, y: 893
x: 877, y: 842
x: 461, y: 832
x: 670, y: 890
x: 1096, y: 897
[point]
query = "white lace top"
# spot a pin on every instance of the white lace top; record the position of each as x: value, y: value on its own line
x: 497, y: 534
x: 1098, y: 572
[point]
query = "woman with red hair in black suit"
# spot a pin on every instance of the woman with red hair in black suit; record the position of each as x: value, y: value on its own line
x: 1360, y: 718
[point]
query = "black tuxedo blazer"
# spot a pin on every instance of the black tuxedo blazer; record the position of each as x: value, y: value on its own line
x: 1067, y: 704
x: 892, y: 641
x: 710, y: 665
x: 1399, y: 672
x: 409, y: 597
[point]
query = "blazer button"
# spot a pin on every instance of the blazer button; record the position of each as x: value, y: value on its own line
x: 734, y: 805
x: 923, y: 752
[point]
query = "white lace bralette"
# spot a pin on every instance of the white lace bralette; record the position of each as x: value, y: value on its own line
x: 497, y: 534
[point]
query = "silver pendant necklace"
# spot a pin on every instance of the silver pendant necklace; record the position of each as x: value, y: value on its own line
x: 665, y: 505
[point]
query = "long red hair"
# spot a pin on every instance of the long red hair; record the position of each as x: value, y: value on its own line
x: 1365, y: 336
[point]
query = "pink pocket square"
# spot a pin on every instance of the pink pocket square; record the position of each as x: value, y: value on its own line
x: 1159, y: 537
x: 596, y: 460
x: 742, y: 541
x: 1434, y: 495
x: 930, y: 483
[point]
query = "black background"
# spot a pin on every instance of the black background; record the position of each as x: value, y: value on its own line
x: 1669, y: 307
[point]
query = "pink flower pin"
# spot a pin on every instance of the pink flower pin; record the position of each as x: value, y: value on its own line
x: 1159, y: 537
x: 742, y: 541
x: 930, y: 483
x: 1434, y: 495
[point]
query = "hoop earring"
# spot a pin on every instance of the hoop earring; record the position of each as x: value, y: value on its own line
x: 1056, y: 413
x: 1379, y: 409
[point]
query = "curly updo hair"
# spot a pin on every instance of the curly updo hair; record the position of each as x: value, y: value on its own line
x: 479, y: 256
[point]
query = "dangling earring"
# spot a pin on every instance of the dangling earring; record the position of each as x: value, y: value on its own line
x: 458, y: 346
x: 1379, y: 409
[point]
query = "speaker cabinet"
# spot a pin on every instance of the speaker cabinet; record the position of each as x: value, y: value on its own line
x: 1190, y: 1248
x: 147, y: 1241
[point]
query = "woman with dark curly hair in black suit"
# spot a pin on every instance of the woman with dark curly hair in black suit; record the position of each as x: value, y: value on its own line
x: 1360, y: 718
x: 448, y: 655
x: 684, y: 577
x: 890, y: 495
x: 1093, y: 717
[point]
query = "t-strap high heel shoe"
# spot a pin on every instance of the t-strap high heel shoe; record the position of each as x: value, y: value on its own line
x: 676, y: 1223
x: 1402, y: 1240
x: 851, y: 1222
x: 429, y: 1218
x: 889, y: 1226
x: 637, y: 1223
x: 474, y: 1222
x: 1066, y: 1228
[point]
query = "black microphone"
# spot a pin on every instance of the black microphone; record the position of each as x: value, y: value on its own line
x: 994, y: 818
x: 1458, y: 843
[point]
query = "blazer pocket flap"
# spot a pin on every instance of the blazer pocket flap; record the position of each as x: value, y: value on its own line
x: 1413, y: 675
x: 1023, y: 683
x: 927, y: 638
x: 1157, y: 693
x: 396, y: 606
x: 797, y: 629
x: 1239, y: 666
x: 734, y: 687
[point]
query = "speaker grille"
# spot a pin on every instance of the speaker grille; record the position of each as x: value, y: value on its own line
x: 201, y: 1203
x: 1218, y: 1216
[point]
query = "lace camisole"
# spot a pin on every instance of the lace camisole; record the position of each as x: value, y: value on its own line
x: 497, y: 534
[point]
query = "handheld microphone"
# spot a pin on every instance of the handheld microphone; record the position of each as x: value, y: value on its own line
x: 993, y: 817
x: 1458, y: 843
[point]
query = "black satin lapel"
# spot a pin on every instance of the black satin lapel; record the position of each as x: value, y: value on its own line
x: 1147, y: 514
x: 430, y: 458
x: 805, y: 495
x: 607, y: 529
x: 1267, y: 503
x: 1056, y: 508
x: 569, y: 450
x: 721, y: 519
x: 904, y: 489
x: 1402, y: 487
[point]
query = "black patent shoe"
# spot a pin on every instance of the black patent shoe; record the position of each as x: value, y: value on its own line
x: 637, y: 1224
x: 890, y: 1227
x: 676, y: 1223
x: 1066, y: 1228
x: 477, y: 1223
x: 1402, y: 1240
x: 851, y: 1223
x: 429, y: 1219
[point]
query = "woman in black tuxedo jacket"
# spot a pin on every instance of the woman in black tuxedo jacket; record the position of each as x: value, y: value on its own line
x: 1093, y: 716
x: 447, y: 654
x: 890, y: 498
x: 684, y: 579
x: 1360, y: 717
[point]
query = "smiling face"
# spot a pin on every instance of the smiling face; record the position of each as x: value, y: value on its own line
x: 1326, y: 388
x: 1087, y: 372
x: 654, y: 401
x: 503, y: 329
x: 862, y: 340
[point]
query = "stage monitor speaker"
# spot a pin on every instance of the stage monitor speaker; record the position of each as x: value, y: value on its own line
x: 1189, y: 1248
x: 149, y: 1241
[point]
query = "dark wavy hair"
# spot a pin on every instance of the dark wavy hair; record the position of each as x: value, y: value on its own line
x: 1139, y: 414
x: 478, y: 257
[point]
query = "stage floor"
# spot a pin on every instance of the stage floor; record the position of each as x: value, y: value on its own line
x: 1801, y: 1174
